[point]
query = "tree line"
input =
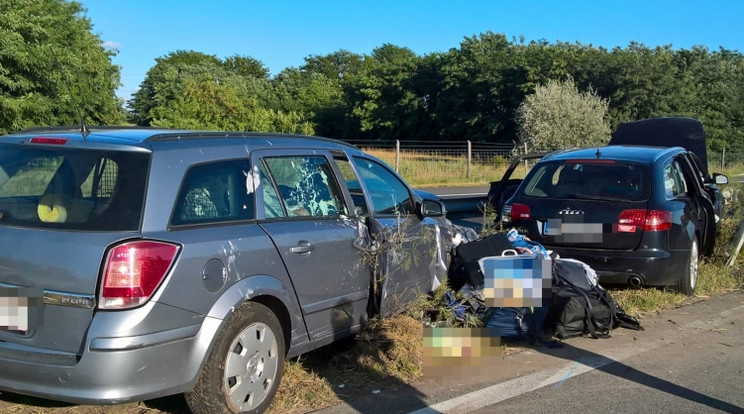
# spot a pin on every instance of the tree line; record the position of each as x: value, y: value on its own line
x: 471, y: 92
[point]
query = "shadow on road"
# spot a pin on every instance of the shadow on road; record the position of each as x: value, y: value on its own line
x: 620, y: 370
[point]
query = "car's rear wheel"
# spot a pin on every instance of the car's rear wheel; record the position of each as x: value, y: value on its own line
x: 688, y: 283
x: 245, y: 367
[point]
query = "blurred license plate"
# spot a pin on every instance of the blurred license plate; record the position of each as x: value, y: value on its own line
x: 19, y: 308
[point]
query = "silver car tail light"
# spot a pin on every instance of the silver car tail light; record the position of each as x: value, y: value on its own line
x: 133, y: 271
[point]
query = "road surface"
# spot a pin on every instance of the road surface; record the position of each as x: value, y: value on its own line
x: 688, y: 360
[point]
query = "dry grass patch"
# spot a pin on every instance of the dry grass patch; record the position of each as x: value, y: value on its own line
x: 302, y: 390
x: 388, y: 352
x: 392, y: 348
x: 422, y: 169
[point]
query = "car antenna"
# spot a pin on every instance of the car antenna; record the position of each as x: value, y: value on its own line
x: 83, y: 128
x: 598, y: 153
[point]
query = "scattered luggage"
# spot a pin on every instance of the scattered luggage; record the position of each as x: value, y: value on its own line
x: 574, y: 305
x: 580, y: 307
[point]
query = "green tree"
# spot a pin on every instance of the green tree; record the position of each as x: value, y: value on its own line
x: 483, y: 84
x: 558, y: 116
x: 383, y: 100
x: 166, y: 81
x: 314, y: 98
x: 719, y: 96
x: 340, y: 69
x: 647, y: 84
x: 246, y: 66
x: 206, y: 104
x: 336, y: 65
x: 53, y: 69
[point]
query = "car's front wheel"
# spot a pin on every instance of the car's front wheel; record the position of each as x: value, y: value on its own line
x: 688, y: 282
x: 245, y: 367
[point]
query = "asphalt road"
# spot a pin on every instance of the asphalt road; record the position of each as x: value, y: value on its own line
x: 688, y: 360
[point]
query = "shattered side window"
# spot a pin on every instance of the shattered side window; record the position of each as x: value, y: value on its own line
x: 307, y: 186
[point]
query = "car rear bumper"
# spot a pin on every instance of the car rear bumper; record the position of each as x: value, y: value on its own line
x: 112, y: 369
x: 651, y: 267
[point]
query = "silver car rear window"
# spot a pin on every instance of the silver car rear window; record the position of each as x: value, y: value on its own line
x: 72, y: 189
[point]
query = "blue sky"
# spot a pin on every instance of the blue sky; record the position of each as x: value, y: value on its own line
x: 282, y: 33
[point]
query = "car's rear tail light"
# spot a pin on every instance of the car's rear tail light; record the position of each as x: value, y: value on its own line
x: 648, y: 220
x: 133, y: 271
x: 658, y: 220
x: 520, y: 212
x: 49, y: 140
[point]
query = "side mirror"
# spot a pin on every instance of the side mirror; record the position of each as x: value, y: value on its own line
x: 720, y: 178
x: 432, y: 208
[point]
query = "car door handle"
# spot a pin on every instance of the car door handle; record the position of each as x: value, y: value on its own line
x: 303, y: 247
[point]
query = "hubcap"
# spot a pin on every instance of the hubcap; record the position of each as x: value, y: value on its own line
x: 251, y: 366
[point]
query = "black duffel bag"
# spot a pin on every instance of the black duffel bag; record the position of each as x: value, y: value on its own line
x: 580, y: 307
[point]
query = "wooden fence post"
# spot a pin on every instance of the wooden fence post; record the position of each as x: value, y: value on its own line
x: 470, y: 158
x: 723, y: 159
x: 397, y: 156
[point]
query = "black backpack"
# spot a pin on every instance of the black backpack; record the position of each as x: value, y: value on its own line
x: 581, y: 308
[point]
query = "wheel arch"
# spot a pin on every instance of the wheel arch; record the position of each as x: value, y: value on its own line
x: 263, y: 289
x: 281, y: 312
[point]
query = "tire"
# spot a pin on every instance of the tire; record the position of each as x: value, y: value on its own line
x: 688, y: 283
x: 245, y: 367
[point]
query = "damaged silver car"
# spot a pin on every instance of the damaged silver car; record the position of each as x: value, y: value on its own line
x: 138, y: 263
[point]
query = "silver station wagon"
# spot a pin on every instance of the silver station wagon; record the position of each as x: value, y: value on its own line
x: 137, y: 263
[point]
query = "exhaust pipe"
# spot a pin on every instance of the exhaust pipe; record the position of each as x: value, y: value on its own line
x: 635, y: 281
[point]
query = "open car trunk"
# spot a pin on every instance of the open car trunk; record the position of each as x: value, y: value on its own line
x: 665, y: 132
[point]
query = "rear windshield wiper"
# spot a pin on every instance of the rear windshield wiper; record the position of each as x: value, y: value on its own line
x: 599, y: 198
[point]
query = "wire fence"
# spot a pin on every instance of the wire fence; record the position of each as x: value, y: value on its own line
x: 477, y: 163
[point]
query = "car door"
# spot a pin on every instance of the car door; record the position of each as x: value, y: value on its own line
x: 410, y: 255
x: 700, y: 204
x: 302, y: 208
